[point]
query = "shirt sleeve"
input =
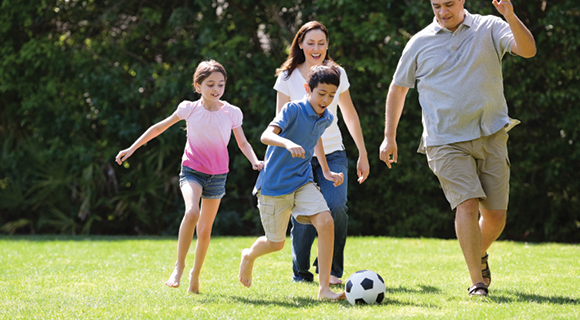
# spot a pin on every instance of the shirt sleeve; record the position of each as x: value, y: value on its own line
x: 237, y: 117
x: 503, y: 37
x: 285, y: 116
x: 344, y: 84
x: 406, y: 68
x: 184, y: 109
x: 281, y: 84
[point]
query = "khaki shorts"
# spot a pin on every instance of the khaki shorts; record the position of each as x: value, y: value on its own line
x: 275, y: 211
x: 478, y: 168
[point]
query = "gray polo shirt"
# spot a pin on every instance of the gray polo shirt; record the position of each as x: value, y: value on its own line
x: 459, y: 78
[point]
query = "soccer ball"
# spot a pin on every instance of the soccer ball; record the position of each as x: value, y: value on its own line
x: 365, y: 287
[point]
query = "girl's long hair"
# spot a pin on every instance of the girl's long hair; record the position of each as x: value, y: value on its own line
x: 296, y: 55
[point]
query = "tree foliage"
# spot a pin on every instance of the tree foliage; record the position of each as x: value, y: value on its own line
x: 80, y: 80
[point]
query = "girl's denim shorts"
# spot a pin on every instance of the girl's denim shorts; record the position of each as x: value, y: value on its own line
x: 213, y: 186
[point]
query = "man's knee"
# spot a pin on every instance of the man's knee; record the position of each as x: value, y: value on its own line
x: 467, y: 209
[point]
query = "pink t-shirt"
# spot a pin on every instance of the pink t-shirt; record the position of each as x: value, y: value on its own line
x: 208, y: 134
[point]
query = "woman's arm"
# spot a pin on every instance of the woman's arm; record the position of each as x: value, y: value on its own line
x: 281, y: 100
x: 352, y: 122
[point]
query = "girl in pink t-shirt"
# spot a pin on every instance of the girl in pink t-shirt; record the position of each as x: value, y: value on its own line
x: 210, y: 122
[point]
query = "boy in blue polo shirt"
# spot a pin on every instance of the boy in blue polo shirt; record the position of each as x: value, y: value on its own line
x: 286, y: 186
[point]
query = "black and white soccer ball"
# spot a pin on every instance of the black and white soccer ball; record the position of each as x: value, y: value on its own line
x: 365, y: 287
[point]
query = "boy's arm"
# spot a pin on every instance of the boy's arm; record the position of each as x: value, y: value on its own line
x: 338, y: 178
x: 151, y: 133
x: 246, y: 149
x: 271, y: 138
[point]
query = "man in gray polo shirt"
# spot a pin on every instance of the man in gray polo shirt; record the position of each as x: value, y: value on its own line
x: 456, y: 65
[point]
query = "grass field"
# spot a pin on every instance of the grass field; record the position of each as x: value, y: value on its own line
x: 50, y: 277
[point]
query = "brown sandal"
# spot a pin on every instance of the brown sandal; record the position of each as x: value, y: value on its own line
x: 486, y: 273
x: 475, y: 290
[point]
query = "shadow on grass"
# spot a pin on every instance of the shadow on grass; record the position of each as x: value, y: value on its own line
x: 301, y: 302
x: 295, y: 302
x: 506, y: 296
x: 418, y: 290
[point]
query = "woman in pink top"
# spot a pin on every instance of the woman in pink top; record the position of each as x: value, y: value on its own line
x: 210, y: 122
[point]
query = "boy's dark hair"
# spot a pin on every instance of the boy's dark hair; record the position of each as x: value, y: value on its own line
x: 328, y: 73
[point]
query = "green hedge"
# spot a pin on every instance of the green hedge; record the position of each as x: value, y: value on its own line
x: 79, y: 80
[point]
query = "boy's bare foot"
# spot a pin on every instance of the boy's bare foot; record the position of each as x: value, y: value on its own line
x: 193, y: 284
x: 246, y: 266
x: 334, y: 280
x: 175, y: 277
x: 327, y: 294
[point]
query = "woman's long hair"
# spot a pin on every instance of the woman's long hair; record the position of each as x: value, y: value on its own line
x: 296, y: 55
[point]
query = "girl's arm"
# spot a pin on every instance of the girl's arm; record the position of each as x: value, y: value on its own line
x: 151, y: 133
x: 352, y: 122
x: 337, y: 178
x: 281, y: 100
x: 246, y: 149
x: 271, y: 138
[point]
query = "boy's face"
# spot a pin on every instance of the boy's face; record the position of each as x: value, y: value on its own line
x: 321, y: 96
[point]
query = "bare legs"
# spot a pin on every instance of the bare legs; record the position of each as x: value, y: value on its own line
x: 475, y: 235
x: 193, y: 217
x: 325, y: 227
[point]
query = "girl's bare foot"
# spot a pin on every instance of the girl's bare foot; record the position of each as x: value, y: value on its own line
x: 334, y: 280
x: 175, y: 277
x: 193, y: 284
x: 327, y: 294
x: 246, y: 266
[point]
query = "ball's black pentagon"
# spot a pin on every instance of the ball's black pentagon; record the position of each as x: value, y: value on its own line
x: 380, y: 297
x: 360, y: 301
x: 348, y: 286
x: 367, y: 284
x: 380, y: 278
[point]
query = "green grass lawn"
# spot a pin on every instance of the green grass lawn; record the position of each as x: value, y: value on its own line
x: 123, y: 278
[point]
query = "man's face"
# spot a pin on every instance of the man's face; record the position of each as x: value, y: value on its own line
x: 449, y: 13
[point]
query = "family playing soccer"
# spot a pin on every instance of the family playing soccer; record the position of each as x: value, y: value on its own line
x: 455, y: 62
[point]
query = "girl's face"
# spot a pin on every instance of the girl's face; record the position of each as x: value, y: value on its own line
x: 314, y: 46
x: 212, y: 88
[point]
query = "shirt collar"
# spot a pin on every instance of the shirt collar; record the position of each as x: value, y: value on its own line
x: 467, y: 21
x: 310, y: 111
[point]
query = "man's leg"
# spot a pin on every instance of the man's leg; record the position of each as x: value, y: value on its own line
x: 491, y: 224
x: 470, y: 237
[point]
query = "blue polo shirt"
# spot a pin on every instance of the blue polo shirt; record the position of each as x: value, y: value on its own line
x: 283, y: 174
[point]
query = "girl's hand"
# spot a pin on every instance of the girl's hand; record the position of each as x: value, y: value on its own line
x: 337, y: 178
x: 258, y: 165
x: 124, y: 155
x: 295, y: 150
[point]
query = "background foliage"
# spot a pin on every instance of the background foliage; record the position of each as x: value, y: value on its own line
x: 80, y: 80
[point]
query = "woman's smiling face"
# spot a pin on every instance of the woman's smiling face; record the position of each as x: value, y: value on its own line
x: 314, y: 46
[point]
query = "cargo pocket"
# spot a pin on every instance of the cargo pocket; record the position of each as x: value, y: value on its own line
x: 268, y: 218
